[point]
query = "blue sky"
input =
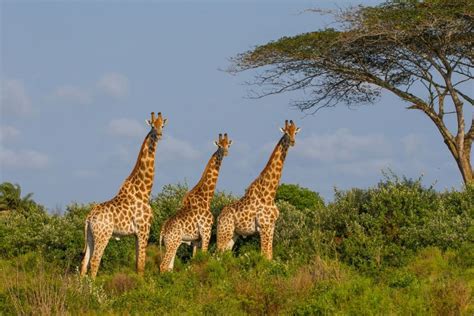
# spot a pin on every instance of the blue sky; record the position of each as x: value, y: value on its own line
x: 79, y: 79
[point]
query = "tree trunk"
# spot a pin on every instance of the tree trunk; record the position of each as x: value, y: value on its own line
x: 463, y: 160
x: 466, y: 164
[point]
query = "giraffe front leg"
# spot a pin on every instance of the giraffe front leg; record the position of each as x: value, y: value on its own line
x: 266, y: 240
x: 195, y: 246
x: 141, y: 243
x: 205, y: 237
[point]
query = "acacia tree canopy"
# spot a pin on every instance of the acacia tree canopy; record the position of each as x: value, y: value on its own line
x: 422, y: 51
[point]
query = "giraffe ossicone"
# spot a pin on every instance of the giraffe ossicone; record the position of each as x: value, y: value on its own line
x: 193, y: 222
x: 129, y: 212
x: 256, y: 211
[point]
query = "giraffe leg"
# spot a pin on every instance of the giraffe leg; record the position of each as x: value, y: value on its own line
x: 232, y: 241
x: 195, y: 246
x: 88, y: 249
x: 101, y: 239
x: 205, y: 237
x: 266, y: 240
x: 172, y: 245
x: 225, y: 233
x: 141, y: 243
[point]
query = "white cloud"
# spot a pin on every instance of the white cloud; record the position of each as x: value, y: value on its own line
x: 114, y: 84
x: 73, y: 94
x: 8, y: 133
x: 23, y: 159
x: 14, y: 98
x: 171, y: 148
x: 126, y: 127
x: 342, y: 146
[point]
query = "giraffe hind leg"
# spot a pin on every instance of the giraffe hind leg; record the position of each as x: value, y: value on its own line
x: 101, y: 239
x: 171, y: 244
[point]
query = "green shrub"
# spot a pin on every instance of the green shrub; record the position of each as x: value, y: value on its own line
x: 385, y: 225
x: 299, y: 197
x: 297, y: 235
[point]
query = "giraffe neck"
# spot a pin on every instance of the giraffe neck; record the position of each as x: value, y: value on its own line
x: 207, y: 184
x: 270, y: 176
x: 143, y: 172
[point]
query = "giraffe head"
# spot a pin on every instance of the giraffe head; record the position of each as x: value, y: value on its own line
x: 290, y: 130
x: 223, y: 143
x: 157, y: 123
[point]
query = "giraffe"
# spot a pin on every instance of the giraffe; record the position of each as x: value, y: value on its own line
x: 256, y: 211
x: 194, y: 220
x: 129, y: 212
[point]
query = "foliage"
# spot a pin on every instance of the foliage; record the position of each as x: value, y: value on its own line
x: 431, y: 283
x: 421, y: 51
x: 385, y: 225
x: 301, y: 198
x: 396, y: 248
x: 10, y: 199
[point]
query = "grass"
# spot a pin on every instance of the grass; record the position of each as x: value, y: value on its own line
x: 433, y: 283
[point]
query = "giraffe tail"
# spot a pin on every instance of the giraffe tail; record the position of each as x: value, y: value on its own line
x: 86, y: 228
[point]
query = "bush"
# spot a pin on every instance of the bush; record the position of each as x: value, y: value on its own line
x: 396, y: 248
x: 301, y: 198
x: 385, y: 225
x: 297, y: 235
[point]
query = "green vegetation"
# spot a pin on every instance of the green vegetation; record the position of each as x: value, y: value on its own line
x: 396, y: 248
x: 419, y: 50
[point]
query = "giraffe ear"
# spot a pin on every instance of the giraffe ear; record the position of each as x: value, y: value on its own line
x: 282, y: 130
x: 165, y: 121
x: 148, y: 122
x: 230, y: 142
x: 216, y: 143
x: 298, y: 130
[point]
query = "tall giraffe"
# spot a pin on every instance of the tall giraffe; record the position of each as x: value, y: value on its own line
x: 194, y: 220
x: 256, y: 211
x: 129, y: 212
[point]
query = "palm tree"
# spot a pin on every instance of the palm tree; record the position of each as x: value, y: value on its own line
x: 10, y: 198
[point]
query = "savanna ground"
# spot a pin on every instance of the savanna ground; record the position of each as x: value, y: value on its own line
x: 397, y: 248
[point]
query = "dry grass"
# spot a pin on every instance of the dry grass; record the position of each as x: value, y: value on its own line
x: 452, y: 297
x: 120, y: 283
x: 41, y: 294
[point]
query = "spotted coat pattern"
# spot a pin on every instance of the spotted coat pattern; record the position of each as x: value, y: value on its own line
x: 129, y: 212
x: 193, y: 222
x: 256, y: 211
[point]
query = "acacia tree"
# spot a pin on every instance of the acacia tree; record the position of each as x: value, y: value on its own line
x: 422, y: 51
